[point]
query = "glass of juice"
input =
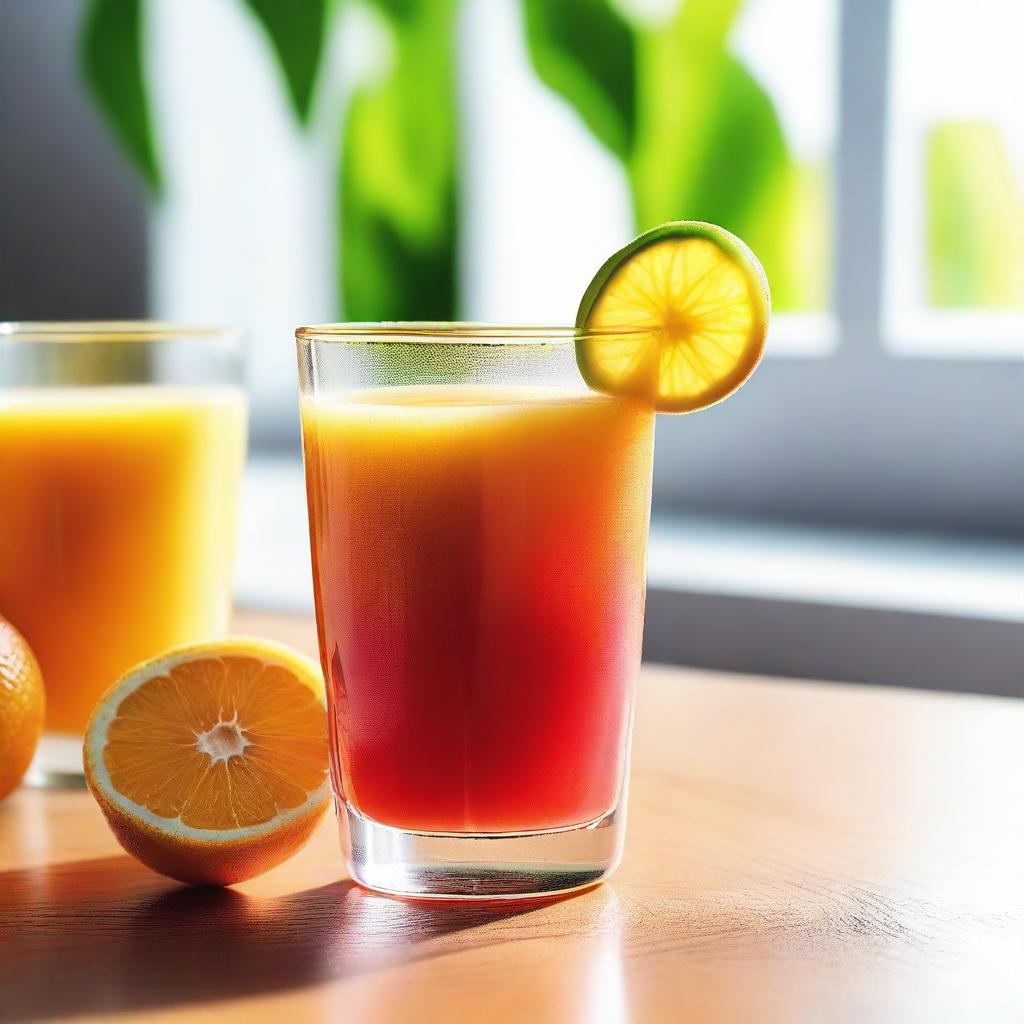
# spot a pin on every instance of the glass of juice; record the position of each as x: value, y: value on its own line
x: 478, y: 524
x: 121, y: 451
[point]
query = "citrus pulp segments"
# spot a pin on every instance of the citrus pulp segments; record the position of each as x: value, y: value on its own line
x: 677, y: 318
x: 169, y: 844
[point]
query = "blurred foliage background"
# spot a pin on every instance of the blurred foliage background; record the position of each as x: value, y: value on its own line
x: 975, y: 218
x: 695, y: 132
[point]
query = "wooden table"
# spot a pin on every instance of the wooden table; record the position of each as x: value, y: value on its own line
x: 796, y: 852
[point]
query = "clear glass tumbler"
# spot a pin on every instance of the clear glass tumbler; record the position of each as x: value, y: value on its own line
x: 478, y: 523
x: 121, y: 451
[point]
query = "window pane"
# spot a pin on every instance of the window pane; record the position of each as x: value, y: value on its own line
x: 956, y: 172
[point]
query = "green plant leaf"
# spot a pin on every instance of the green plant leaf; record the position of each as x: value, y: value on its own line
x: 698, y: 135
x: 584, y: 51
x: 111, y: 60
x: 398, y: 197
x: 683, y: 69
x: 731, y: 168
x: 710, y: 146
x: 297, y: 29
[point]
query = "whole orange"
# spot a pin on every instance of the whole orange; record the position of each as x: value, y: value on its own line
x: 22, y: 705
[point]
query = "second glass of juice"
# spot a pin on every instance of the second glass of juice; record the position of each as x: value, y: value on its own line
x: 478, y: 524
x: 121, y: 453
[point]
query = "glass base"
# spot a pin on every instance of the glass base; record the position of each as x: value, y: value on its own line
x: 57, y: 764
x: 486, y: 866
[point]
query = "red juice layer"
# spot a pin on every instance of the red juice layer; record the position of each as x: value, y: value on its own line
x: 479, y: 567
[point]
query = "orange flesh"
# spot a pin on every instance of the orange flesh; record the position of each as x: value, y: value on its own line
x: 219, y: 743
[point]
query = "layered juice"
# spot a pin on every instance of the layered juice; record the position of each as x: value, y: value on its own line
x: 479, y: 570
x: 117, y: 528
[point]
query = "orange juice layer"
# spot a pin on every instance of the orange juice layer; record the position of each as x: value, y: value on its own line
x: 479, y: 563
x: 116, y: 528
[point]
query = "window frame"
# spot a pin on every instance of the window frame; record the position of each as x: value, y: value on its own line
x: 863, y: 433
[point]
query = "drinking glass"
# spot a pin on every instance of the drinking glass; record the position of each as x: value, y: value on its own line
x: 121, y: 451
x: 478, y: 524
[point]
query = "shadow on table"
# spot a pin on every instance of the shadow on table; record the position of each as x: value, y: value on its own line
x: 108, y: 935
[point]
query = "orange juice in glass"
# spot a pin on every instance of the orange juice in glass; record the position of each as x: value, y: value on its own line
x: 478, y: 523
x: 121, y: 451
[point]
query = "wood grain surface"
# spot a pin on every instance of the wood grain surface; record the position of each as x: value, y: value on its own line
x: 796, y: 852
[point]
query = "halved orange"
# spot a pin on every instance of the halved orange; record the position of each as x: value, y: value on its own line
x: 677, y: 318
x: 210, y: 762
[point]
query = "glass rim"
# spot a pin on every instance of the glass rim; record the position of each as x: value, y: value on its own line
x: 454, y: 332
x: 109, y: 331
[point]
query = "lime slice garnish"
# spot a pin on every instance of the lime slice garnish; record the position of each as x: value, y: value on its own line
x: 677, y: 318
